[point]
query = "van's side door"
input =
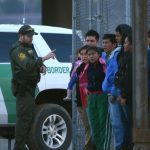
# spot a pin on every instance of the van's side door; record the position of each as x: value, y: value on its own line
x: 7, y: 101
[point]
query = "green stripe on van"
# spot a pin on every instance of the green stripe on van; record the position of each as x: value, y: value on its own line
x: 5, y: 84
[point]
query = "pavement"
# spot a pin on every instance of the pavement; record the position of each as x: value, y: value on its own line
x: 4, y: 144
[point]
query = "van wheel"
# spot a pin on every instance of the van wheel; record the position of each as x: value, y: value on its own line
x: 51, y: 129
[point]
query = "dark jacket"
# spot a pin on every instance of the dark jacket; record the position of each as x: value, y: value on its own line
x: 124, y: 76
x: 96, y: 75
x: 24, y: 64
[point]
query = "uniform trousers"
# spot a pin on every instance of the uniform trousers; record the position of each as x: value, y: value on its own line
x: 25, y: 109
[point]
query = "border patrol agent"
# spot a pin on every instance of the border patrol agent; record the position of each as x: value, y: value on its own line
x: 26, y: 69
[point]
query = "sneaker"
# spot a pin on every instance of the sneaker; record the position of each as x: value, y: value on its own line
x: 26, y: 147
x: 67, y: 98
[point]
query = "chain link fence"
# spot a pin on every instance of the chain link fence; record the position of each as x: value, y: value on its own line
x: 99, y: 15
x: 102, y: 16
x: 148, y: 14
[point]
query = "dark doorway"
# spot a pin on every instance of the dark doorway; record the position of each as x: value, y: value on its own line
x: 57, y: 13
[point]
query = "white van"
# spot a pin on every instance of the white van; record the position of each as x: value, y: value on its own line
x: 52, y: 125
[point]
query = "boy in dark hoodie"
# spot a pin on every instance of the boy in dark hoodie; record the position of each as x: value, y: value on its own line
x: 97, y: 108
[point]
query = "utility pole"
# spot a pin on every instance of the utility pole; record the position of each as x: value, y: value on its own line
x: 141, y: 132
x: 90, y: 14
x: 74, y: 109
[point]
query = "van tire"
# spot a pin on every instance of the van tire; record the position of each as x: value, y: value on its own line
x: 52, y: 123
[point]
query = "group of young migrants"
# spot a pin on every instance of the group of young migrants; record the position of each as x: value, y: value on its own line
x: 103, y: 78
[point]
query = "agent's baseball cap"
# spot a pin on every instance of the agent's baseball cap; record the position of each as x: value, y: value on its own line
x: 27, y: 30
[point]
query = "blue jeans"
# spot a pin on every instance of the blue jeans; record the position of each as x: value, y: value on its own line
x: 120, y: 124
x: 127, y: 122
x: 117, y: 124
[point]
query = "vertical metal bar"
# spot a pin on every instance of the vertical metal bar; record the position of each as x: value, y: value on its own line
x: 90, y: 14
x: 99, y: 13
x: 140, y: 63
x: 9, y: 144
x: 24, y: 12
x: 140, y: 95
x: 73, y: 57
x: 128, y: 11
x: 74, y: 3
x: 77, y: 25
x: 74, y: 122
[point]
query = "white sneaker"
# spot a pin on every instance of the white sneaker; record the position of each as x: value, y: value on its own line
x: 67, y: 98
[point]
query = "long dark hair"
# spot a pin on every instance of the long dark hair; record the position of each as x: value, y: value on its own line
x: 130, y: 38
x: 125, y: 30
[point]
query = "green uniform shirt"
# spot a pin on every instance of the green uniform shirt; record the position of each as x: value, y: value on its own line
x: 24, y: 63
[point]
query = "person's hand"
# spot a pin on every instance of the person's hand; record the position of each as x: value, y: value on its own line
x: 48, y: 56
x: 112, y: 98
x: 123, y: 101
x: 119, y: 98
x: 43, y: 69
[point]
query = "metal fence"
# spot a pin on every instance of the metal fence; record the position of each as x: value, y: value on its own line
x: 102, y: 16
x: 148, y: 14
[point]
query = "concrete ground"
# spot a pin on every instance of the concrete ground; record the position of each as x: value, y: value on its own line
x: 4, y: 144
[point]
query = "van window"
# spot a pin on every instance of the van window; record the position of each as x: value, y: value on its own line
x: 6, y: 41
x: 62, y: 43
